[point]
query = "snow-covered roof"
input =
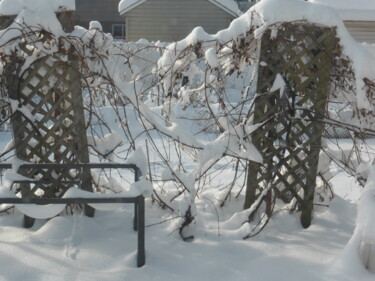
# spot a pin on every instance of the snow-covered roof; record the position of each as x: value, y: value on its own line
x: 355, y: 10
x: 127, y: 5
x: 230, y: 6
x: 14, y: 7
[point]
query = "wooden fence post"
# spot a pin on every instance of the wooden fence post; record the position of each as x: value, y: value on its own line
x: 301, y: 57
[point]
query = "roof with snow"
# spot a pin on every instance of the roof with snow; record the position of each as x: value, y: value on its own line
x: 229, y: 6
x: 14, y: 7
x: 355, y: 10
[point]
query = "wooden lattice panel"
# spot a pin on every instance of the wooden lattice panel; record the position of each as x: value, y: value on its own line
x: 290, y: 137
x: 49, y: 125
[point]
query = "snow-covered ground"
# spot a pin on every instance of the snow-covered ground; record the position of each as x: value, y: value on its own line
x: 104, y: 247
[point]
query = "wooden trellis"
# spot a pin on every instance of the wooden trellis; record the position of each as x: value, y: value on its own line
x: 290, y: 137
x: 48, y: 118
x: 49, y: 126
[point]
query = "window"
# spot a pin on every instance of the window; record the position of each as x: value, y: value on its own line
x: 118, y: 30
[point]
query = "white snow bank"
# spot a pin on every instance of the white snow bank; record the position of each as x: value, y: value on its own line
x: 359, y: 253
x: 14, y: 7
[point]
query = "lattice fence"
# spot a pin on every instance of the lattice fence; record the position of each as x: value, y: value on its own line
x: 49, y: 125
x: 290, y: 137
x: 48, y: 117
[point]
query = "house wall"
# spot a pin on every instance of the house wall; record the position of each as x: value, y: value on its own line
x: 245, y: 5
x: 104, y: 11
x: 171, y: 20
x: 361, y: 31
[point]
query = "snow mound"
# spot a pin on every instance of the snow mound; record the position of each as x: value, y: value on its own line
x: 359, y: 253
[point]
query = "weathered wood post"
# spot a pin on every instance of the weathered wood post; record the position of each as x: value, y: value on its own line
x: 301, y: 57
x: 48, y: 116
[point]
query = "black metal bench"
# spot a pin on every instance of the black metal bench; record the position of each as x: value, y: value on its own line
x: 139, y: 201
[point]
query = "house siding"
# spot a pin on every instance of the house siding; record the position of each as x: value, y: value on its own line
x: 171, y: 20
x: 361, y: 31
x: 104, y: 11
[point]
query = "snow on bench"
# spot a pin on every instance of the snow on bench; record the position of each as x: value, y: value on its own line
x: 43, y: 208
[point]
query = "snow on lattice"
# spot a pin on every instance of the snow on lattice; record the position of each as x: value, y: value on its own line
x: 23, y: 109
x: 278, y: 84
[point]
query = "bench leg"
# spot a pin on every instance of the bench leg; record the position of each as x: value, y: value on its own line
x: 28, y: 221
x: 135, y: 220
x: 89, y: 211
x: 141, y: 258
